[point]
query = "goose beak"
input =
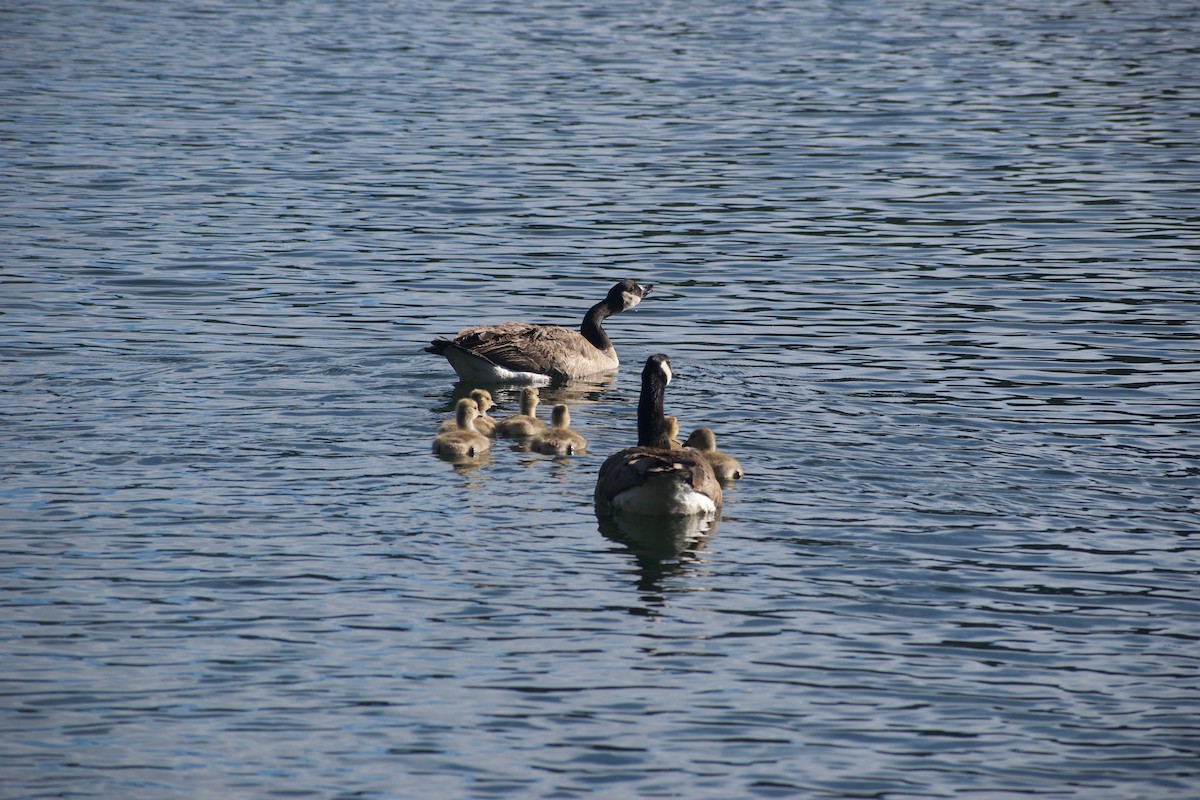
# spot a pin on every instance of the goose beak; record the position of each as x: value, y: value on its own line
x: 645, y: 288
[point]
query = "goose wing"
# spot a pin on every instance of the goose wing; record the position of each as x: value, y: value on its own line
x: 629, y: 469
x: 524, y: 347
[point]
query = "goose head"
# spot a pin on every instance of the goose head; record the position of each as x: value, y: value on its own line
x: 657, y: 370
x: 626, y: 294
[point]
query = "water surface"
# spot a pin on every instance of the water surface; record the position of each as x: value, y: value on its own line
x: 928, y: 269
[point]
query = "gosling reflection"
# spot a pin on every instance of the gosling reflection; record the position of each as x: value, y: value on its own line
x: 474, y: 478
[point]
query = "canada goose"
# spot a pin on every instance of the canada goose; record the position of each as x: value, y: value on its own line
x: 725, y: 467
x: 483, y: 423
x: 559, y: 440
x: 464, y: 441
x: 520, y: 352
x: 673, y: 434
x: 651, y: 478
x: 526, y: 423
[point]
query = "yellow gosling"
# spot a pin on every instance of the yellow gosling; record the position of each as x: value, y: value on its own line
x: 725, y: 467
x: 559, y: 440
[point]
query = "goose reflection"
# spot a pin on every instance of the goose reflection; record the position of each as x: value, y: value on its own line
x: 575, y: 391
x: 579, y: 391
x: 663, y: 547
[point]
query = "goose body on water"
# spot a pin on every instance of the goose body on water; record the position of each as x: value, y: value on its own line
x: 652, y: 478
x: 464, y: 441
x: 725, y: 466
x: 521, y: 352
x: 526, y: 423
x: 559, y: 440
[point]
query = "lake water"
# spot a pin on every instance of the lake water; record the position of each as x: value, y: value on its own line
x: 929, y: 269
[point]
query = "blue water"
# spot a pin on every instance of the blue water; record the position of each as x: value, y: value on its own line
x: 927, y: 269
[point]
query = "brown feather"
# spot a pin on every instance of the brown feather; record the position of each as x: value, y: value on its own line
x: 629, y: 468
x: 524, y: 347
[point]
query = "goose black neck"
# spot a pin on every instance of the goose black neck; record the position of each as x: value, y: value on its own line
x: 592, y: 329
x: 652, y: 424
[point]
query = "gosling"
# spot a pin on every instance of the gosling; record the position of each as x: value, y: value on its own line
x: 724, y: 466
x: 483, y: 423
x: 464, y: 441
x: 673, y: 434
x: 526, y: 423
x: 559, y: 440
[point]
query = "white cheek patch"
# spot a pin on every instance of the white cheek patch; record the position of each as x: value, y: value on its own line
x: 667, y: 371
x: 629, y: 299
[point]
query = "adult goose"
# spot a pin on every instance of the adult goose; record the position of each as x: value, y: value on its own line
x: 464, y: 441
x: 559, y: 440
x: 521, y: 352
x: 725, y: 466
x: 653, y: 479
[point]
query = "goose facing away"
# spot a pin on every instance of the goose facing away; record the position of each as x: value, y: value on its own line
x: 464, y: 441
x: 559, y: 440
x: 483, y: 423
x: 652, y: 479
x: 526, y: 423
x: 521, y: 352
x: 725, y: 466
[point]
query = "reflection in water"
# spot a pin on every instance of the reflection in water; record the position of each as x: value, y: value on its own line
x: 466, y: 466
x: 663, y: 546
x: 578, y: 391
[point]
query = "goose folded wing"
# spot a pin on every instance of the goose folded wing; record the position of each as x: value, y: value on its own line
x: 520, y: 346
x: 630, y: 468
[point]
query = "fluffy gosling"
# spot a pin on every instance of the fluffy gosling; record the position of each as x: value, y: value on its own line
x: 559, y: 440
x: 464, y: 441
x: 725, y: 467
x: 483, y: 423
x: 526, y: 423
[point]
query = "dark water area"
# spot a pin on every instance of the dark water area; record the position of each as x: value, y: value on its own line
x: 929, y: 270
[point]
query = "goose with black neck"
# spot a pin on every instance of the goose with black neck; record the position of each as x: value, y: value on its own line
x: 522, y: 352
x: 652, y: 478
